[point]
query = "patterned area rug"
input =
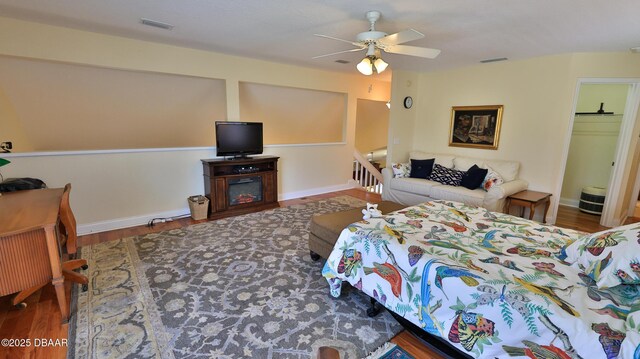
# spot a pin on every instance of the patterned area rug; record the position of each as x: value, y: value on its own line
x: 241, y: 287
x: 389, y: 351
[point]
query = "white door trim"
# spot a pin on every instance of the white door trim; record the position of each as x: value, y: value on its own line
x: 625, y: 147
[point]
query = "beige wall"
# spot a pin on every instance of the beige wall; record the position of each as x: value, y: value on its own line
x: 137, y: 185
x: 288, y: 113
x: 66, y: 107
x: 372, y: 124
x: 402, y: 121
x: 537, y: 95
x: 11, y: 128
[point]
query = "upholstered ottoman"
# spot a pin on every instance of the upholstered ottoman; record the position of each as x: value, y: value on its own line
x: 325, y: 228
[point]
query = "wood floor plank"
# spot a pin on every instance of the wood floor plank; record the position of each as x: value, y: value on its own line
x: 414, y: 346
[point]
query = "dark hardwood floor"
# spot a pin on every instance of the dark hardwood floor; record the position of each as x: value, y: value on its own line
x: 41, y: 317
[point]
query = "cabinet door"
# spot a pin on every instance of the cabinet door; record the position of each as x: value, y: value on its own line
x: 221, y: 194
x: 268, y: 187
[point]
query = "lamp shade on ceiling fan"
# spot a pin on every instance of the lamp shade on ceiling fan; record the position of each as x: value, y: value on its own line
x: 365, y: 66
x: 380, y: 65
x: 369, y: 65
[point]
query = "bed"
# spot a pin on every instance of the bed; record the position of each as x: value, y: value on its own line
x: 490, y: 284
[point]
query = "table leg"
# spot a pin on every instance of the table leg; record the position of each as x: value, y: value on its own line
x: 56, y: 271
x: 532, y: 210
x: 547, y: 204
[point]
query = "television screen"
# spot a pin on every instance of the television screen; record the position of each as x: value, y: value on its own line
x: 238, y: 139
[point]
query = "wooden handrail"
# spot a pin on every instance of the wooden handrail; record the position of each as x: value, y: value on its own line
x: 369, y: 167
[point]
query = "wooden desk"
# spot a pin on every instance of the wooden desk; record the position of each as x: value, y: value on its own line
x: 29, y: 251
x: 530, y: 199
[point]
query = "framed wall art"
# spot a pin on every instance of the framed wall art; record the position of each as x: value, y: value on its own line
x: 475, y: 126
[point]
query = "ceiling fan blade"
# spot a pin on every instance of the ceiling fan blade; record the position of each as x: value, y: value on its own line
x: 413, y: 51
x: 335, y: 38
x: 401, y: 37
x: 339, y: 52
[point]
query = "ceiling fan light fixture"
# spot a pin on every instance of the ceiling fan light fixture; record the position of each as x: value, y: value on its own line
x: 365, y: 66
x: 380, y: 65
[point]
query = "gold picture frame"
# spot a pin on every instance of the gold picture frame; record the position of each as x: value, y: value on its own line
x: 475, y: 126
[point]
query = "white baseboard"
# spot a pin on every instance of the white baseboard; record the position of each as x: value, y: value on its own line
x: 314, y: 191
x: 118, y: 223
x: 570, y: 202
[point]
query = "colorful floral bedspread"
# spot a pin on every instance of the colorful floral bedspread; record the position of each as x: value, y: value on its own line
x: 489, y: 283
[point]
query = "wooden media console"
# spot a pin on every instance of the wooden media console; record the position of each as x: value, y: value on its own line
x: 240, y: 186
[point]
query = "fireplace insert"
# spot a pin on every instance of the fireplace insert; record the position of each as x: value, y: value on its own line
x: 244, y: 190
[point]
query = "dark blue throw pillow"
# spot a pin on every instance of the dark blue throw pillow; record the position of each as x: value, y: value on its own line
x: 473, y: 178
x: 421, y: 168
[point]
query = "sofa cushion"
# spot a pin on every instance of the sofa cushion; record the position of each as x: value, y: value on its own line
x: 459, y: 194
x: 413, y: 185
x: 442, y: 160
x: 464, y: 163
x: 445, y: 175
x: 508, y: 170
x: 421, y: 168
x: 474, y: 177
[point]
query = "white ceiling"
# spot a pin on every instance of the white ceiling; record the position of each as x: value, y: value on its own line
x: 466, y: 31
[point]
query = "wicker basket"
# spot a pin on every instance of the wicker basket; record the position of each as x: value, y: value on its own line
x: 198, y: 205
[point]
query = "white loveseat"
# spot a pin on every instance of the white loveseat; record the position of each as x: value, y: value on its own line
x: 411, y: 191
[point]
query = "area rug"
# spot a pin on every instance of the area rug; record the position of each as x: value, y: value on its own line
x: 241, y: 287
x: 389, y: 351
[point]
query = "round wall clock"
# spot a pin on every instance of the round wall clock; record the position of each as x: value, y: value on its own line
x: 408, y: 102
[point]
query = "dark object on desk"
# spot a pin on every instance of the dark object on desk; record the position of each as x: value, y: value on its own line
x: 21, y: 184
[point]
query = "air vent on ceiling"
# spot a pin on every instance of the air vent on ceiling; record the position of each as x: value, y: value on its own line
x: 494, y: 60
x: 158, y: 24
x: 342, y: 61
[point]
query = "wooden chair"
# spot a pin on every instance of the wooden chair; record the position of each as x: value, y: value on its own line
x: 70, y: 241
x: 68, y: 238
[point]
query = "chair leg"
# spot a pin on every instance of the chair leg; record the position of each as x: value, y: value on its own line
x: 72, y: 276
x: 74, y: 264
x: 17, y: 300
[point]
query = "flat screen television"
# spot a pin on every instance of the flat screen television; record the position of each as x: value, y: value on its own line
x: 238, y: 139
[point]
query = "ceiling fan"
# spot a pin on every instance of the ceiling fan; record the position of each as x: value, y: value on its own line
x: 377, y: 41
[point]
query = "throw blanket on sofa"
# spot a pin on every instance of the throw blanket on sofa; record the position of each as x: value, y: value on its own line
x: 488, y: 283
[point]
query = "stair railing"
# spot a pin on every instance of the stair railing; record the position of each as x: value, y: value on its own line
x: 366, y: 174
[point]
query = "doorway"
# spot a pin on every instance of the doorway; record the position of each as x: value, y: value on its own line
x: 601, y: 150
x: 372, y: 131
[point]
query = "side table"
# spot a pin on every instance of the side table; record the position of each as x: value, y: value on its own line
x: 529, y: 199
